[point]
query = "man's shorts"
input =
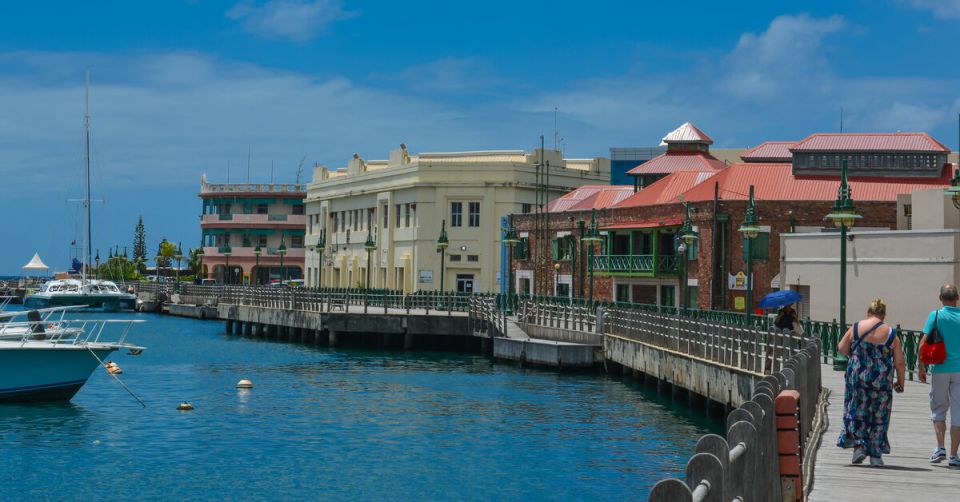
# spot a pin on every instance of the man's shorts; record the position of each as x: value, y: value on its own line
x: 944, y: 395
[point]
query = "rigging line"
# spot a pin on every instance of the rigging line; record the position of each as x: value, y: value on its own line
x: 116, y: 378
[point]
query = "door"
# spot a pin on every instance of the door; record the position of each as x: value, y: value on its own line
x: 668, y: 295
x: 464, y: 283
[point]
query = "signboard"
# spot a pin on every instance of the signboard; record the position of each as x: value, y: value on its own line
x: 739, y: 303
x: 425, y: 276
x: 737, y: 282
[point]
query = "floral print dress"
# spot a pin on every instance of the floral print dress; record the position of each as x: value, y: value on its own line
x: 868, y: 394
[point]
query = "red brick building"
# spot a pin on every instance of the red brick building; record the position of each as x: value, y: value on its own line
x: 638, y: 259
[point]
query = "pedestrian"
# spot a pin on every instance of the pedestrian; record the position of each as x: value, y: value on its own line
x: 945, y: 377
x: 875, y: 352
x: 786, y: 318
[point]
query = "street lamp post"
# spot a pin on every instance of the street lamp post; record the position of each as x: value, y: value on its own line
x: 282, y: 250
x: 844, y: 216
x: 592, y: 237
x: 556, y: 279
x: 687, y: 237
x: 158, y: 259
x: 179, y: 258
x: 749, y: 229
x: 97, y: 261
x: 580, y: 257
x: 200, y: 254
x: 226, y: 251
x: 510, y: 240
x: 257, y: 251
x: 442, y: 244
x: 321, y: 247
x: 370, y: 246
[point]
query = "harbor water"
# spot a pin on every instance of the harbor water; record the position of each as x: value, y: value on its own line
x: 339, y: 424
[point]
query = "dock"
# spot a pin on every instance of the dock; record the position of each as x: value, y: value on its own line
x: 908, y: 473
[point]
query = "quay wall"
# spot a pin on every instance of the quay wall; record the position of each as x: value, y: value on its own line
x: 545, y: 353
x: 729, y: 386
x: 560, y: 334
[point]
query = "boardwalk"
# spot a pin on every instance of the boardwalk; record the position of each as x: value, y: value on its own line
x: 908, y: 474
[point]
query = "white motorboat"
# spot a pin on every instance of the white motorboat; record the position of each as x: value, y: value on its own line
x: 51, y: 360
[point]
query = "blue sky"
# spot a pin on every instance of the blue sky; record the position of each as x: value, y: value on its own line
x: 181, y: 88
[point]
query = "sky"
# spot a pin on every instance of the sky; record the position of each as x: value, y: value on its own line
x: 180, y: 88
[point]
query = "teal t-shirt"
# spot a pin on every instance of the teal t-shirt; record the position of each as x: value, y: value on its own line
x: 948, y: 322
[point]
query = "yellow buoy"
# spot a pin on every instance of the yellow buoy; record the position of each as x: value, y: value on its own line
x: 185, y: 406
x: 244, y: 384
x: 113, y: 368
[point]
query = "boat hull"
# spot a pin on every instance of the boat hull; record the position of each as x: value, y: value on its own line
x: 53, y: 373
x: 105, y: 302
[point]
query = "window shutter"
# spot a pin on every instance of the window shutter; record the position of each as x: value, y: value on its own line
x: 555, y: 249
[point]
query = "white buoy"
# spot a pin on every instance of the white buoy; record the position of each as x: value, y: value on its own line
x: 244, y: 384
x: 185, y: 406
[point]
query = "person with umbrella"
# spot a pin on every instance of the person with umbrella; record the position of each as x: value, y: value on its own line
x: 787, y: 318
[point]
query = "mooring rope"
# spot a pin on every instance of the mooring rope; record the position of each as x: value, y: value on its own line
x: 117, y: 378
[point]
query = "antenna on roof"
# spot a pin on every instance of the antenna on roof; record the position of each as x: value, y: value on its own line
x: 556, y: 128
x: 841, y: 119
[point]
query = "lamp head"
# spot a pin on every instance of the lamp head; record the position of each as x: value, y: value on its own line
x: 556, y: 266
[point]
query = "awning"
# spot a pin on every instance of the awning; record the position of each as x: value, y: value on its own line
x: 36, y: 263
x: 672, y: 221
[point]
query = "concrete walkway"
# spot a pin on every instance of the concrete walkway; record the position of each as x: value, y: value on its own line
x: 908, y: 475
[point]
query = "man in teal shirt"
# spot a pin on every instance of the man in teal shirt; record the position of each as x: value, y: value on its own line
x: 945, y: 377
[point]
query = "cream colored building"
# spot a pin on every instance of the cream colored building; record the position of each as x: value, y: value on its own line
x: 401, y: 203
x: 903, y: 267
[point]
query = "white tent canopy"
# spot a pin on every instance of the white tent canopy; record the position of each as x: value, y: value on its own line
x: 36, y: 263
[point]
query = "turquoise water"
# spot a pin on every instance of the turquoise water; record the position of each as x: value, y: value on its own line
x: 339, y: 424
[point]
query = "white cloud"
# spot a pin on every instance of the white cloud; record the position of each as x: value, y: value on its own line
x: 942, y: 9
x: 297, y: 20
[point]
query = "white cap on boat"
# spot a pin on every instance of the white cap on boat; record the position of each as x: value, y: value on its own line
x: 244, y: 384
x: 185, y: 406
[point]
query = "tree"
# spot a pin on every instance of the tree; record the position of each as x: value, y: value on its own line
x: 140, y: 246
x: 195, y: 261
x: 166, y: 253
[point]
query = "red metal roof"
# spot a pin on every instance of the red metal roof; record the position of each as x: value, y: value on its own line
x: 771, y: 151
x: 887, y: 142
x: 687, y: 133
x: 672, y: 162
x: 669, y: 221
x: 590, y: 197
x: 775, y: 181
x: 666, y: 189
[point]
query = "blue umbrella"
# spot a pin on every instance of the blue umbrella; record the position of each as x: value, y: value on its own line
x: 780, y: 298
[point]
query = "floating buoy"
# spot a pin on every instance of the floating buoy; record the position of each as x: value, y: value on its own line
x: 185, y: 406
x: 244, y: 384
x: 113, y: 368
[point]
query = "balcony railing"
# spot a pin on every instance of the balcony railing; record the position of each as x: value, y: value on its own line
x: 247, y: 252
x: 263, y: 219
x: 638, y: 263
x: 253, y: 187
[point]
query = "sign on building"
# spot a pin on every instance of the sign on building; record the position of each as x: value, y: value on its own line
x: 425, y: 276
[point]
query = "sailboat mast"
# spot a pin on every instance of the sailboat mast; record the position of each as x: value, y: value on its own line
x: 87, y: 248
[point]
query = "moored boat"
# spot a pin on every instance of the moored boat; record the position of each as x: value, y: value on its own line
x: 52, y: 361
x: 85, y: 293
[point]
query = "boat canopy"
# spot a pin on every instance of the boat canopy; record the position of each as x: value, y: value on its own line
x: 36, y: 263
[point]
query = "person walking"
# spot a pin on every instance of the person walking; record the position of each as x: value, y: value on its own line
x: 945, y: 377
x: 875, y: 353
x: 786, y: 318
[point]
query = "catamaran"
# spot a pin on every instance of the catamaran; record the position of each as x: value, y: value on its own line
x: 50, y: 358
x: 83, y: 292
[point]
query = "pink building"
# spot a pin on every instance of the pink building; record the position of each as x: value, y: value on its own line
x: 252, y: 233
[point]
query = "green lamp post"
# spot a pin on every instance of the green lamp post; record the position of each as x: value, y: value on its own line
x: 510, y: 240
x: 200, y: 254
x: 226, y: 251
x: 321, y: 247
x: 179, y: 257
x: 257, y: 251
x: 844, y: 216
x: 370, y: 246
x: 282, y: 250
x: 442, y: 244
x: 591, y: 238
x: 749, y: 229
x: 688, y: 237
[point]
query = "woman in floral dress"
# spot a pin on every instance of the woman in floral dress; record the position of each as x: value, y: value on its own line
x: 874, y: 351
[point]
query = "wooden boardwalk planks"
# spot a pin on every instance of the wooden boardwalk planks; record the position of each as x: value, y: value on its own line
x: 908, y: 474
